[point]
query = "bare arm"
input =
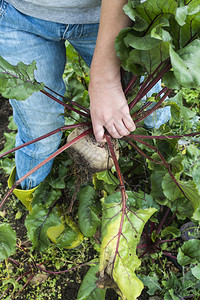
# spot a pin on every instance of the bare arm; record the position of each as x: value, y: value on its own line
x: 109, y: 108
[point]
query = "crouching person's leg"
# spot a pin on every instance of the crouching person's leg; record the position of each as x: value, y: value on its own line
x: 25, y: 39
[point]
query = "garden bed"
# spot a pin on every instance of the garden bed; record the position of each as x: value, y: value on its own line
x: 65, y: 286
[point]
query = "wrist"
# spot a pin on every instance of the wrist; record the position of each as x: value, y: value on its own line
x: 106, y: 72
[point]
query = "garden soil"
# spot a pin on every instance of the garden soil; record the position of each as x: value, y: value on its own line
x: 5, y: 112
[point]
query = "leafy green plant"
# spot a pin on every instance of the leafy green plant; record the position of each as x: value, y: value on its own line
x: 162, y: 43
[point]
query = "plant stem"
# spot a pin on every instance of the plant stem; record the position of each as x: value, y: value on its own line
x: 146, y: 86
x: 69, y: 100
x: 123, y: 193
x: 65, y: 271
x: 27, y: 282
x: 56, y: 153
x: 170, y: 255
x: 170, y: 221
x: 18, y: 279
x: 130, y: 84
x: 165, y: 241
x: 147, y: 104
x: 141, y: 246
x: 65, y: 105
x: 61, y: 129
x: 162, y: 221
x: 163, y: 137
x: 150, y: 111
x: 14, y: 261
x: 152, y: 227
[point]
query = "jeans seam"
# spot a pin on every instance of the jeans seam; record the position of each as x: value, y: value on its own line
x: 3, y: 8
x: 70, y: 36
x: 63, y: 35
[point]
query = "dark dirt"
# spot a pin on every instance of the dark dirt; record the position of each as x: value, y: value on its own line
x: 5, y: 112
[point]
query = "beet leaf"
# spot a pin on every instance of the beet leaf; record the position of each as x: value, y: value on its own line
x: 118, y: 258
x: 18, y: 82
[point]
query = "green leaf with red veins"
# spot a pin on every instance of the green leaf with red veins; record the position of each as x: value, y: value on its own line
x: 18, y: 82
x: 186, y: 64
x: 88, y: 211
x: 189, y: 192
x: 189, y: 253
x: 37, y: 224
x: 162, y: 30
x: 121, y: 232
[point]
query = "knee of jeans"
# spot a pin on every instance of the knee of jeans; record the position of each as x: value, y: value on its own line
x: 41, y: 149
x: 48, y: 146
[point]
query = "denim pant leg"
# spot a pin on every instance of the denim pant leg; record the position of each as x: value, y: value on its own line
x: 38, y: 114
x: 83, y: 39
x: 161, y: 115
x: 23, y: 38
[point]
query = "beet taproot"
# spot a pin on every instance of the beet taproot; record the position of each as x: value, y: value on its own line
x: 89, y: 153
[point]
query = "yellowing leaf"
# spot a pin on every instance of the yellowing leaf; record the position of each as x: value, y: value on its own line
x: 66, y: 235
x: 121, y: 232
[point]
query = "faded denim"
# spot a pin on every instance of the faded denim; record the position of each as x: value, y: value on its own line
x: 161, y: 115
x: 24, y: 38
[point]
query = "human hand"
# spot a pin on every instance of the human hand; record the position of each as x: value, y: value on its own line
x: 109, y: 110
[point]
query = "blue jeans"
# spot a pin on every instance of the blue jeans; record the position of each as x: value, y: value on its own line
x: 159, y: 116
x: 24, y: 38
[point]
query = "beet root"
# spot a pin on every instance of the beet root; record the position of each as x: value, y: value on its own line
x: 89, y: 153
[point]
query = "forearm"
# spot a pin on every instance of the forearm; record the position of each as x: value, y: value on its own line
x: 105, y: 61
x: 108, y: 105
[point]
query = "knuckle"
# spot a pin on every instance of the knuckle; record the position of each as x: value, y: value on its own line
x: 124, y: 132
x: 113, y: 134
x: 116, y: 135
